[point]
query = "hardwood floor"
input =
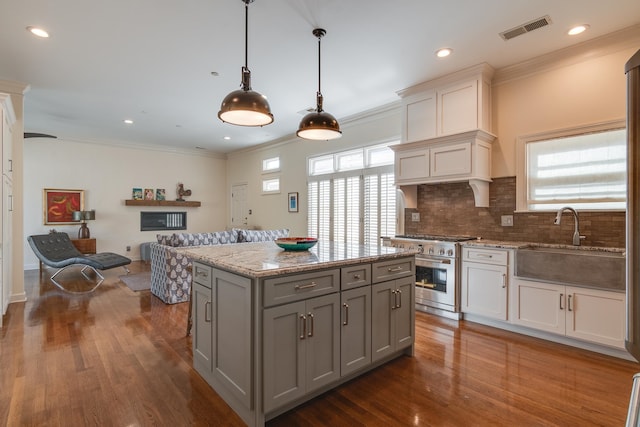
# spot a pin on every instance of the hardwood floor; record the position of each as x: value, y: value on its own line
x: 120, y: 358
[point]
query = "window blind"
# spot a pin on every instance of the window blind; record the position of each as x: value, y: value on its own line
x: 584, y: 171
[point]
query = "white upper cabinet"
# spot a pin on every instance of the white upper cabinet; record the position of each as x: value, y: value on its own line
x: 446, y: 132
x: 419, y: 116
x: 458, y: 102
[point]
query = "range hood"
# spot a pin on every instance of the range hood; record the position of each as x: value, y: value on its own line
x: 464, y: 156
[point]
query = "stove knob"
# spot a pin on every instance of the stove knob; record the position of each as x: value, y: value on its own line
x: 420, y: 249
x: 450, y: 252
x: 441, y: 251
x: 431, y: 250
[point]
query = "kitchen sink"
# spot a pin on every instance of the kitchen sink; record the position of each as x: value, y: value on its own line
x: 573, y: 265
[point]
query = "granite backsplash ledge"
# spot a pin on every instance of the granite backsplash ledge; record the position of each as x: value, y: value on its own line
x: 449, y: 209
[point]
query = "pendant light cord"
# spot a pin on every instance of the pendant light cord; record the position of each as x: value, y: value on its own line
x: 246, y: 34
x: 319, y: 91
x: 319, y: 32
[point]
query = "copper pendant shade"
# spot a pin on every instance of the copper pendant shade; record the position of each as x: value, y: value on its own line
x: 319, y: 125
x: 245, y: 107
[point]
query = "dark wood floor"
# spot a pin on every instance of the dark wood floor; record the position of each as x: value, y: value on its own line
x: 120, y: 358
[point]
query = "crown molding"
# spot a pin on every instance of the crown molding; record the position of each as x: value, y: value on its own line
x: 626, y: 38
x: 138, y: 146
x: 13, y: 87
x: 346, y: 123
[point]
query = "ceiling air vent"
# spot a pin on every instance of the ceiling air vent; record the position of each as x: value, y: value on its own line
x: 525, y: 28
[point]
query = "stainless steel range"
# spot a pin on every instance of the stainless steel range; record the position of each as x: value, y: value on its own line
x: 437, y: 271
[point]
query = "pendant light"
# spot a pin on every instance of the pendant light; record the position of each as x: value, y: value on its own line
x: 245, y: 107
x: 319, y: 125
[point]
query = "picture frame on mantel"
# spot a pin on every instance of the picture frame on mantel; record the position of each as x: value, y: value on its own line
x: 58, y: 205
x: 292, y: 202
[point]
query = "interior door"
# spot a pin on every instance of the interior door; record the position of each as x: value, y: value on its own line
x: 239, y: 205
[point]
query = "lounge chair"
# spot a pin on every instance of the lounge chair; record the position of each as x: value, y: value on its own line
x: 56, y: 250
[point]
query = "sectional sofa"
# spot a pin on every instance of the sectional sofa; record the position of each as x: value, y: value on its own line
x: 170, y: 269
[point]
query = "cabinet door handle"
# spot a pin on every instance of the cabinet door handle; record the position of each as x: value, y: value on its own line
x: 310, y: 285
x: 569, y: 302
x: 10, y: 165
x: 303, y: 320
x: 202, y: 273
x: 561, y: 300
x: 393, y: 303
x: 356, y: 276
x: 504, y: 280
x: 311, y: 327
x: 394, y: 269
x: 484, y: 256
x: 399, y: 296
x: 10, y: 202
x: 346, y: 314
x: 207, y: 315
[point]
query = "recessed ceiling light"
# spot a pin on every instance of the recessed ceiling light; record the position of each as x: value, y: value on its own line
x: 128, y: 121
x: 38, y: 32
x: 578, y: 29
x: 444, y: 52
x: 227, y: 138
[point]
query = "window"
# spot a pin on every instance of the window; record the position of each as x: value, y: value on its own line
x: 352, y: 195
x: 271, y: 185
x: 583, y: 168
x: 271, y: 165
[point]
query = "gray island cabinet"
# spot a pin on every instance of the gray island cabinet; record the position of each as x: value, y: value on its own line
x: 274, y: 328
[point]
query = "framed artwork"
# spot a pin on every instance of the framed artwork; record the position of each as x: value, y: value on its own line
x: 160, y: 194
x: 292, y: 203
x: 148, y: 193
x: 136, y: 194
x: 59, y: 205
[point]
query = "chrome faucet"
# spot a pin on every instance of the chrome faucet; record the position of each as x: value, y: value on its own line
x: 576, y: 234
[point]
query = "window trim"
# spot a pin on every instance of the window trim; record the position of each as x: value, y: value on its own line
x: 271, y: 178
x: 273, y: 170
x: 521, y: 160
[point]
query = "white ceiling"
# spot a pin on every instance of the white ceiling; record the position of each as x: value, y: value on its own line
x: 151, y: 60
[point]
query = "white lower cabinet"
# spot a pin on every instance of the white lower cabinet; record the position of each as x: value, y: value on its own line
x: 393, y: 323
x: 588, y: 314
x: 301, y: 348
x: 484, y: 282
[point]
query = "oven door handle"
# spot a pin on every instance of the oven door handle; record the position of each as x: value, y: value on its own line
x: 435, y: 261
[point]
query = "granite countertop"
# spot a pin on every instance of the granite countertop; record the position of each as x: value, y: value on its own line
x: 524, y: 245
x: 266, y: 259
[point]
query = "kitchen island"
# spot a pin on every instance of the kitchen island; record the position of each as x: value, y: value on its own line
x: 276, y: 328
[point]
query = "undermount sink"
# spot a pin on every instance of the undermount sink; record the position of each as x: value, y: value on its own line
x: 573, y: 265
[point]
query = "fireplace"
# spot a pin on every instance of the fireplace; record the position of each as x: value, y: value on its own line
x: 163, y: 221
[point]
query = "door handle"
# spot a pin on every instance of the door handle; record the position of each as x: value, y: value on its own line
x: 569, y: 308
x: 504, y: 280
x: 561, y: 299
x: 346, y: 314
x: 311, y: 327
x: 207, y: 315
x: 393, y: 304
x: 399, y: 297
x: 303, y: 319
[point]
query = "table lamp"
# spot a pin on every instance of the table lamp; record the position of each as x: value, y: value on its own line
x: 84, y: 216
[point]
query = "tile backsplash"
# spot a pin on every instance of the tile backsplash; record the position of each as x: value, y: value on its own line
x: 449, y: 209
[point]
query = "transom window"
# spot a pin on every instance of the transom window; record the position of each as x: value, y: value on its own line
x: 271, y: 165
x: 583, y: 168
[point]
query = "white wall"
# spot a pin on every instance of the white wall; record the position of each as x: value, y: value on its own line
x: 581, y: 86
x: 270, y: 211
x: 107, y: 174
